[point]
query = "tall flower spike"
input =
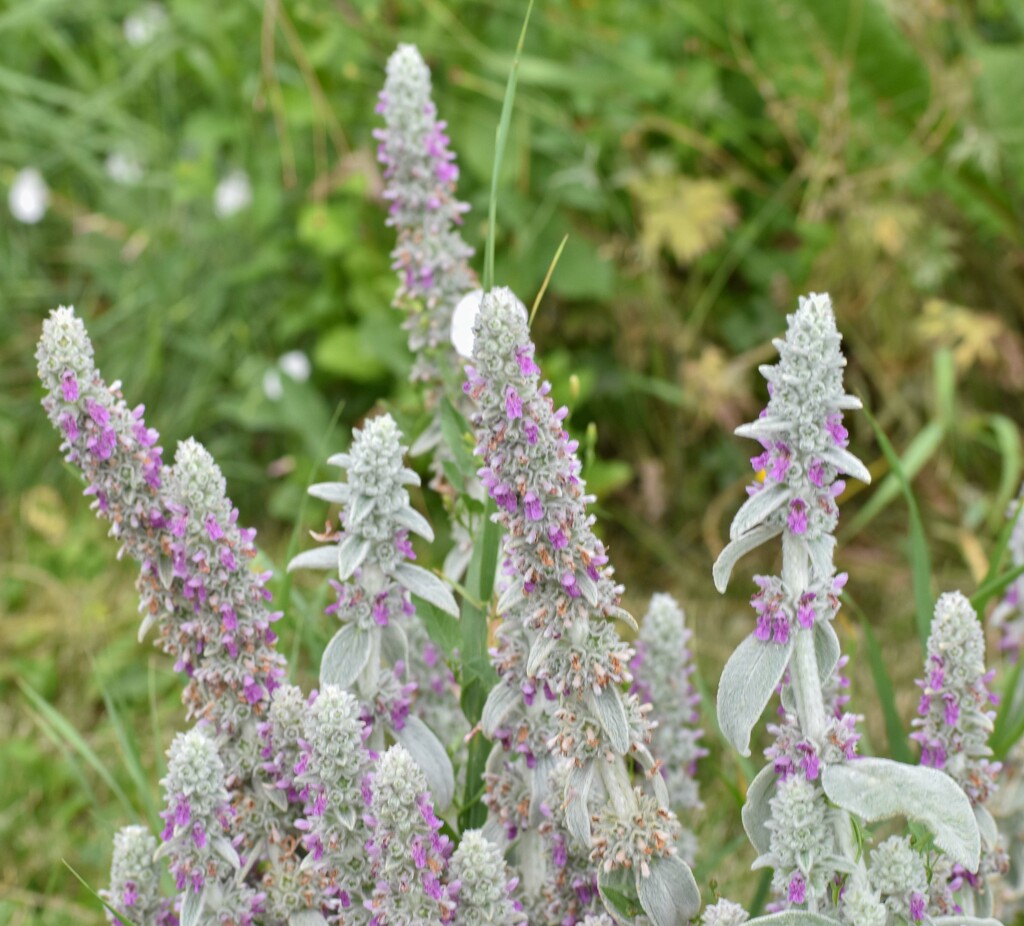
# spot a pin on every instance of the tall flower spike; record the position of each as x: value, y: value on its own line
x: 955, y: 711
x: 135, y: 880
x: 330, y: 774
x: 662, y: 668
x: 420, y: 174
x: 371, y: 556
x: 204, y: 862
x: 802, y: 808
x: 1008, y: 615
x: 106, y: 440
x: 485, y: 889
x: 804, y: 442
x: 562, y: 580
x: 408, y: 854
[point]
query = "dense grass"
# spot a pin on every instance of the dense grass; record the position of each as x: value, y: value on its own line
x: 707, y: 165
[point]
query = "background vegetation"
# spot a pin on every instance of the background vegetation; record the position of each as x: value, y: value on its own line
x: 708, y: 163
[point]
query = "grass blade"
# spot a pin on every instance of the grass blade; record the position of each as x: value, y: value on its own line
x: 501, y: 140
x: 919, y: 451
x: 894, y: 731
x: 117, y: 913
x: 132, y: 760
x: 920, y: 559
x: 547, y: 279
x: 57, y: 727
x: 992, y: 587
x: 1008, y: 725
x: 1008, y: 442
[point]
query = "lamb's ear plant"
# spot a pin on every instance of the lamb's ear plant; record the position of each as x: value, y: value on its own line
x: 562, y: 605
x: 807, y: 809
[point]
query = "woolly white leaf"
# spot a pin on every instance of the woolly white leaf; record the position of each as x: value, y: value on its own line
x: 756, y: 508
x: 763, y: 428
x: 428, y: 753
x: 307, y: 918
x: 340, y: 459
x: 408, y: 477
x: 588, y: 588
x: 820, y: 550
x: 756, y: 810
x: 748, y: 681
x: 611, y: 714
x: 876, y: 789
x: 794, y: 918
x: 226, y: 851
x: 335, y: 492
x: 275, y: 795
x: 669, y: 894
x: 540, y: 777
x: 359, y: 509
x: 826, y: 649
x: 317, y: 558
x: 345, y: 656
x: 165, y: 569
x: 501, y: 701
x: 351, y: 553
x: 147, y: 622
x: 394, y: 643
x: 657, y: 780
x: 728, y: 558
x: 623, y: 615
x: 192, y: 904
x: 986, y: 826
x: 577, y: 812
x: 539, y: 652
x: 410, y: 518
x: 511, y: 595
x: 427, y: 586
x: 846, y: 462
x: 964, y: 921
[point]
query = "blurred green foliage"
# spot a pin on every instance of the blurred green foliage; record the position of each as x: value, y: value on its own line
x: 708, y: 163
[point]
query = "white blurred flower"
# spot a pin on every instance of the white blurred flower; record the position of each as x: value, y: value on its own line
x: 123, y: 168
x: 273, y: 388
x: 296, y: 365
x: 142, y: 26
x: 29, y: 196
x: 233, y: 194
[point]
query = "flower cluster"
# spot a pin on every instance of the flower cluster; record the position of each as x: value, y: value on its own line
x: 956, y: 705
x: 110, y: 443
x: 485, y: 889
x: 562, y: 593
x: 420, y: 173
x: 407, y: 853
x: 204, y: 861
x: 371, y: 555
x: 329, y: 775
x: 804, y: 441
x: 1008, y: 615
x: 134, y: 880
x: 661, y: 670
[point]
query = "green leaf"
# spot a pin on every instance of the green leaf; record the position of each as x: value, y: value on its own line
x: 1009, y: 444
x: 920, y: 559
x: 443, y: 629
x: 992, y: 587
x: 478, y: 676
x: 346, y: 352
x: 458, y: 436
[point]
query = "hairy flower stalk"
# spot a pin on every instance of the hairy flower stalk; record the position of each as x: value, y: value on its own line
x: 135, y: 880
x: 954, y: 723
x: 329, y: 776
x: 195, y: 583
x: 204, y: 859
x: 801, y: 808
x: 110, y: 443
x: 661, y: 670
x: 420, y: 175
x: 1008, y: 615
x: 562, y: 586
x: 371, y: 556
x: 408, y: 854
